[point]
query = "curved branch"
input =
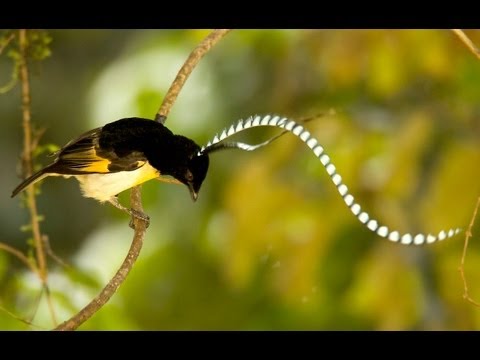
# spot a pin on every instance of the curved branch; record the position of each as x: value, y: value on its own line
x: 195, y: 56
x: 120, y: 276
x: 467, y: 42
x: 135, y: 197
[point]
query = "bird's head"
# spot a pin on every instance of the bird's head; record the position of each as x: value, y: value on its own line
x: 194, y: 174
x: 190, y: 167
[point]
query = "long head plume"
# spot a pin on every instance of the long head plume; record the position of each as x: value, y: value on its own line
x: 217, y: 143
x: 237, y: 145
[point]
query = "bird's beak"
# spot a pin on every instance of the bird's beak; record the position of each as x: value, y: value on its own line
x: 193, y: 194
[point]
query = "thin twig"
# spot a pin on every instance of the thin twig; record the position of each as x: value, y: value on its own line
x: 5, y: 44
x: 52, y: 254
x: 468, y: 235
x: 19, y: 255
x: 195, y: 56
x: 51, y: 309
x: 112, y: 286
x: 467, y: 42
x: 135, y: 196
x: 16, y: 317
x: 28, y: 166
x: 37, y: 136
x: 36, y: 304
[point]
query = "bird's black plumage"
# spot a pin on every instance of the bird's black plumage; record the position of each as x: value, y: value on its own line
x: 126, y: 145
x: 145, y: 139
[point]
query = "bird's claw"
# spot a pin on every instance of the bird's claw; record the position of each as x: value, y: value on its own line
x: 139, y: 215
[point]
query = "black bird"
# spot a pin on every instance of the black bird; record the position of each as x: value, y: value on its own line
x: 125, y: 153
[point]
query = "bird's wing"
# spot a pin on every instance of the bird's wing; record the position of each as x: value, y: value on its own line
x: 85, y: 156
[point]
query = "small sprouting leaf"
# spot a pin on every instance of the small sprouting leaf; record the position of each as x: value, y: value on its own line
x: 31, y: 244
x: 26, y: 228
x: 52, y: 147
x: 46, y: 148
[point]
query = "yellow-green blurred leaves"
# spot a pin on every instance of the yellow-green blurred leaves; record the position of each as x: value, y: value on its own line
x: 450, y: 199
x: 431, y: 56
x: 386, y: 290
x: 467, y: 79
x: 274, y: 219
x: 386, y: 75
x: 407, y: 148
x: 292, y: 224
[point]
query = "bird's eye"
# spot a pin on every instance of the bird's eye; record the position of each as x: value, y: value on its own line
x: 189, y: 176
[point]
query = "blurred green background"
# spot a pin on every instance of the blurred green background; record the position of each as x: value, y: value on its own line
x: 270, y: 243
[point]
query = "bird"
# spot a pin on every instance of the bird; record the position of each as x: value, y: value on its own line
x: 125, y: 153
x: 130, y: 151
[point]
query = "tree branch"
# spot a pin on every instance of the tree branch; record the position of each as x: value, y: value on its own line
x: 27, y: 156
x: 112, y: 286
x: 27, y: 160
x: 195, y: 56
x: 140, y: 226
x: 467, y: 42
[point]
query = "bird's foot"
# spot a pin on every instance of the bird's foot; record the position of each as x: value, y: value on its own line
x: 140, y: 216
x: 133, y: 213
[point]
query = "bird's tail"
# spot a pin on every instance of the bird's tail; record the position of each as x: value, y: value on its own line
x: 31, y: 180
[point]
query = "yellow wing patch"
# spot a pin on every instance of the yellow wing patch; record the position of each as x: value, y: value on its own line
x: 88, y: 161
x: 84, y: 156
x: 98, y: 167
